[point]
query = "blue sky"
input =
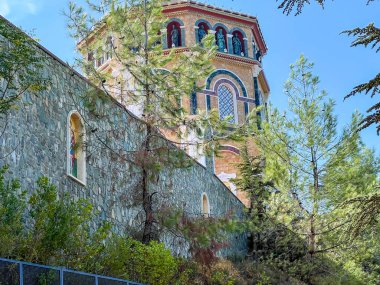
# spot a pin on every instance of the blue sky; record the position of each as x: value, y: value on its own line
x: 315, y: 33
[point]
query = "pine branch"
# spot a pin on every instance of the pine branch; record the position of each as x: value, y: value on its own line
x: 369, y: 35
x: 289, y: 5
x: 372, y: 86
x: 367, y: 214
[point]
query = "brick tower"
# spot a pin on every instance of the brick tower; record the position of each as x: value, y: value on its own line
x: 238, y: 83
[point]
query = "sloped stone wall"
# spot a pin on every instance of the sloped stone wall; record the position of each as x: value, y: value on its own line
x: 34, y: 144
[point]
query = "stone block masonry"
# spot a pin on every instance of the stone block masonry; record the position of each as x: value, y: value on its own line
x: 35, y: 144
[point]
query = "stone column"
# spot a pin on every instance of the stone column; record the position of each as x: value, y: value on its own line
x: 254, y: 49
x: 196, y: 34
x: 164, y: 38
x: 183, y: 33
x: 245, y: 47
x: 229, y: 44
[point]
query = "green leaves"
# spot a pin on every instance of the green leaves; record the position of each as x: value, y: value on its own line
x: 289, y: 5
x: 130, y: 259
x: 312, y: 165
x: 368, y: 36
x: 12, y: 207
x: 52, y: 230
x: 21, y: 66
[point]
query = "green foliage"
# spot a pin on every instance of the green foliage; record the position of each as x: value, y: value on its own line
x: 149, y: 264
x: 145, y: 82
x: 223, y: 273
x: 368, y: 36
x: 314, y: 169
x: 288, y: 6
x: 48, y: 229
x: 12, y: 206
x: 251, y: 180
x: 21, y: 68
x: 43, y: 227
x: 138, y: 53
x: 56, y: 226
x: 366, y: 211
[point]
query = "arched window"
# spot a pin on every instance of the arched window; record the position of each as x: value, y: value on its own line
x: 205, y: 206
x: 226, y: 103
x: 238, y: 46
x: 76, y: 155
x: 174, y: 34
x: 221, y: 39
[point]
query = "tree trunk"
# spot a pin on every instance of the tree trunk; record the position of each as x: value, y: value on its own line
x: 312, y: 241
x: 146, y: 197
x: 312, y: 234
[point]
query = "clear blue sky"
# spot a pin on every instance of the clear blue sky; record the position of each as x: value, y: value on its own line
x: 315, y: 33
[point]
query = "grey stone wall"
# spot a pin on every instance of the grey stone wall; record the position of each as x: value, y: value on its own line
x: 34, y: 144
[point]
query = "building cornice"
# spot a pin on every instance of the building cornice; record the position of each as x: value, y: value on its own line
x: 192, y: 6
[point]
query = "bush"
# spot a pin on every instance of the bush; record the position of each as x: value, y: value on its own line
x: 130, y: 259
x: 12, y: 208
x: 53, y: 230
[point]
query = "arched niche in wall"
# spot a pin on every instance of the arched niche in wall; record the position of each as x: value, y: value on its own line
x: 202, y: 28
x: 205, y: 206
x: 239, y: 40
x: 175, y: 33
x: 76, y: 153
x: 221, y: 39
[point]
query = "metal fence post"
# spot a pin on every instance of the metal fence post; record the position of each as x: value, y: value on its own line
x: 61, y: 276
x: 21, y: 274
x: 96, y: 280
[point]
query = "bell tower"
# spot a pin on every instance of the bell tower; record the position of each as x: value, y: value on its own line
x: 236, y: 86
x: 238, y: 83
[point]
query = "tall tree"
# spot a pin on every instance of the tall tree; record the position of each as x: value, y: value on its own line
x: 309, y: 161
x: 251, y: 180
x: 143, y: 81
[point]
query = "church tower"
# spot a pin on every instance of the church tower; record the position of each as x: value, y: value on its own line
x: 238, y: 83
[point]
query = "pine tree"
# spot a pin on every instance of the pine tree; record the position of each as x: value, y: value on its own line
x: 251, y: 181
x: 313, y: 166
x: 145, y: 82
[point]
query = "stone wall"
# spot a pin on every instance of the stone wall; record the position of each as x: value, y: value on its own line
x: 35, y: 144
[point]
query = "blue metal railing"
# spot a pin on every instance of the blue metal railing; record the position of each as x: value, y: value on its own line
x: 13, y: 272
